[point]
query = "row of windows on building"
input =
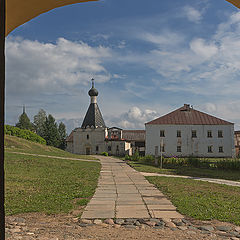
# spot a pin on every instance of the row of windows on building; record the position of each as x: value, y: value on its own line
x: 179, y: 149
x: 109, y: 147
x: 194, y: 133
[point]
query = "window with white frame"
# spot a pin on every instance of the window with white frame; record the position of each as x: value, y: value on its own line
x: 220, y: 133
x: 178, y: 133
x: 209, y: 134
x: 220, y: 149
x: 194, y: 133
x: 162, y: 133
x: 179, y: 148
x: 210, y: 149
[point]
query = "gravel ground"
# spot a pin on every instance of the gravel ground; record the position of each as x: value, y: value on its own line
x: 67, y: 227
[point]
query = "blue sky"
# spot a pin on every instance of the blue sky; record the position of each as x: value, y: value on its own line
x: 148, y: 58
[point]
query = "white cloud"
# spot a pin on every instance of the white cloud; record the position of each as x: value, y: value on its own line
x: 192, y: 14
x: 52, y: 76
x: 33, y: 66
x: 138, y: 90
x: 204, y: 66
x: 202, y: 49
x: 210, y: 107
x: 166, y: 38
x: 168, y: 63
x: 122, y: 44
x: 134, y: 118
x: 227, y: 110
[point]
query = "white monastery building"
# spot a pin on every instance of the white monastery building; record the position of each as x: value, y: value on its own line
x: 93, y: 137
x: 188, y: 132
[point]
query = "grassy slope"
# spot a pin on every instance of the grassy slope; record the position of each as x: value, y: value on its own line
x: 15, y: 144
x: 201, y: 200
x: 189, y: 171
x: 49, y: 185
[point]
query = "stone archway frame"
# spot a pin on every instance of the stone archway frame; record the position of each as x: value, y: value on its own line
x: 17, y: 13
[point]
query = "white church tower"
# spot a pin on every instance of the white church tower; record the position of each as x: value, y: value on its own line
x: 90, y: 138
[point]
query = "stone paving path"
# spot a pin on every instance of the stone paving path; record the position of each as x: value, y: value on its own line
x: 211, y: 180
x: 123, y: 192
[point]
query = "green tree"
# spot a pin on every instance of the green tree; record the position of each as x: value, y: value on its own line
x: 24, y: 122
x: 39, y: 121
x: 50, y: 131
x: 62, y: 136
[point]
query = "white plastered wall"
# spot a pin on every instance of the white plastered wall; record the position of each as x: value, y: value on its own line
x: 96, y: 137
x: 190, y: 146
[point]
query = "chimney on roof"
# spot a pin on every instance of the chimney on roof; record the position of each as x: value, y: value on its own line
x: 187, y: 107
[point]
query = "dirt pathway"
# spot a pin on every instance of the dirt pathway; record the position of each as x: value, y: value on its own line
x: 48, y: 156
x: 38, y: 226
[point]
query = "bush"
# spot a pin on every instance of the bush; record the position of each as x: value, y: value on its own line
x: 149, y: 160
x: 135, y: 156
x: 104, y: 154
x: 195, y: 162
x: 228, y: 164
x: 23, y: 133
x: 175, y: 162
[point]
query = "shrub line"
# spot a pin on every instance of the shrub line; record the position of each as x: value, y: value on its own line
x: 173, y: 162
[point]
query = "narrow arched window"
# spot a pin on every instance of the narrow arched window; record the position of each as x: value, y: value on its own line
x: 87, y: 136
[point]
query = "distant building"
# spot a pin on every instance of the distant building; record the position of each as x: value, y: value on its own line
x: 237, y: 142
x: 188, y: 132
x: 137, y: 139
x: 93, y: 137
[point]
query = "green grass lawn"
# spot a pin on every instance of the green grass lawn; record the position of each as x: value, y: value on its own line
x: 48, y: 185
x: 201, y: 200
x: 15, y: 144
x: 189, y: 171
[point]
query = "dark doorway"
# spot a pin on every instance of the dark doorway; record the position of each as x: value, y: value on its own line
x: 88, y: 151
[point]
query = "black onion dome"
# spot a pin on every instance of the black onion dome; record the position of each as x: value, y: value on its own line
x: 93, y: 92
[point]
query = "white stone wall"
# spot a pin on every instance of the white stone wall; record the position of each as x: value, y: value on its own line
x: 128, y: 149
x: 190, y: 146
x: 96, y: 137
x: 122, y: 146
